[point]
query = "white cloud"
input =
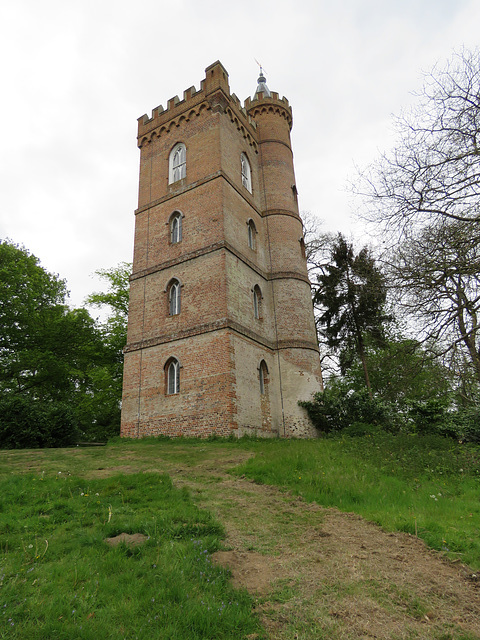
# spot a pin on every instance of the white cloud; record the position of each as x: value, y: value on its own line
x: 76, y: 76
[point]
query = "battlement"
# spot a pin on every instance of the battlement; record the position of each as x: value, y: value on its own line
x: 273, y: 104
x: 214, y: 92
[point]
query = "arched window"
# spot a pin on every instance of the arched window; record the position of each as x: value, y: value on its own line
x: 172, y: 376
x: 263, y: 377
x: 246, y: 172
x: 257, y: 302
x: 175, y: 227
x: 177, y: 168
x: 174, y: 297
x: 302, y: 248
x: 252, y: 232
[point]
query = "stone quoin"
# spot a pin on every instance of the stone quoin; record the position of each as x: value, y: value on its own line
x: 221, y: 334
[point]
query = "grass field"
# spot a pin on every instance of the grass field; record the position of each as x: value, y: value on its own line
x: 60, y: 579
x: 426, y: 486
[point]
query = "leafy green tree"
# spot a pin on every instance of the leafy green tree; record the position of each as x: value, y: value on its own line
x: 47, y: 353
x: 317, y: 253
x: 401, y: 373
x: 105, y: 403
x: 436, y: 277
x: 27, y: 292
x: 117, y: 295
x: 45, y: 347
x: 352, y: 292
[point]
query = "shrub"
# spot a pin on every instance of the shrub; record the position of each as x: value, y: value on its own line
x: 339, y: 407
x: 362, y: 429
x: 464, y: 424
x: 428, y: 416
x: 29, y: 423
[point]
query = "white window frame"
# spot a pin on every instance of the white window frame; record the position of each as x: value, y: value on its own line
x: 174, y: 297
x: 246, y: 172
x: 177, y: 164
x: 175, y: 227
x: 173, y: 377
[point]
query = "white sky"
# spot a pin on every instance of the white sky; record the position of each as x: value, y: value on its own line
x: 77, y: 75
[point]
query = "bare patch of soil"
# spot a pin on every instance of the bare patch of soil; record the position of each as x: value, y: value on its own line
x: 130, y: 539
x: 111, y: 471
x: 249, y: 569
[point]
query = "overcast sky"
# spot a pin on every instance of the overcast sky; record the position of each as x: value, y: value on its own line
x: 77, y: 75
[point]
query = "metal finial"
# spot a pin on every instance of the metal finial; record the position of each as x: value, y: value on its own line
x: 262, y: 83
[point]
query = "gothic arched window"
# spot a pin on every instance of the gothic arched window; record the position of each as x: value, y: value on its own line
x: 172, y: 376
x: 246, y: 172
x: 303, y: 248
x: 174, y: 297
x: 263, y: 377
x: 175, y: 227
x: 252, y: 232
x: 177, y: 166
x: 257, y: 302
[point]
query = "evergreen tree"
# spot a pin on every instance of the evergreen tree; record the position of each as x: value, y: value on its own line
x: 352, y: 292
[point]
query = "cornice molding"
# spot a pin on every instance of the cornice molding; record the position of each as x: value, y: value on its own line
x: 175, y: 193
x: 218, y: 246
x: 220, y: 325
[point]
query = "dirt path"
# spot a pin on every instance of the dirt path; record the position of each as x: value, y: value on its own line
x: 318, y: 573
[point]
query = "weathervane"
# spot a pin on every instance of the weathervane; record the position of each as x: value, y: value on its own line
x: 261, y: 68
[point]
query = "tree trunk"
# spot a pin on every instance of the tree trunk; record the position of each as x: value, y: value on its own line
x: 361, y: 353
x: 469, y: 340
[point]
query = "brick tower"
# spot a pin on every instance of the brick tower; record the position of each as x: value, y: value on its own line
x: 221, y: 334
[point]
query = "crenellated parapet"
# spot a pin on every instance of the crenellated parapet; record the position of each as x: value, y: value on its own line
x: 273, y: 104
x: 214, y: 95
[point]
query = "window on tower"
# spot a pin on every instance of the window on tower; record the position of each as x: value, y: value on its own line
x: 252, y: 232
x: 174, y: 297
x: 263, y: 377
x: 257, y: 302
x: 175, y: 227
x: 177, y: 163
x: 246, y: 172
x: 303, y: 249
x: 172, y: 376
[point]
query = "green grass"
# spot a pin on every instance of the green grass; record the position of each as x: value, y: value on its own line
x: 59, y: 579
x: 426, y: 486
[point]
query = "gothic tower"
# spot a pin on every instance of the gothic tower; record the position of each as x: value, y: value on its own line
x: 221, y: 335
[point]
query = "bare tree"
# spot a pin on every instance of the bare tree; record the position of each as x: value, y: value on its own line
x: 317, y: 246
x: 436, y: 277
x: 434, y: 171
x: 317, y: 251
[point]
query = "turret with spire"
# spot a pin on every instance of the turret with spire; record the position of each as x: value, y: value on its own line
x: 262, y: 85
